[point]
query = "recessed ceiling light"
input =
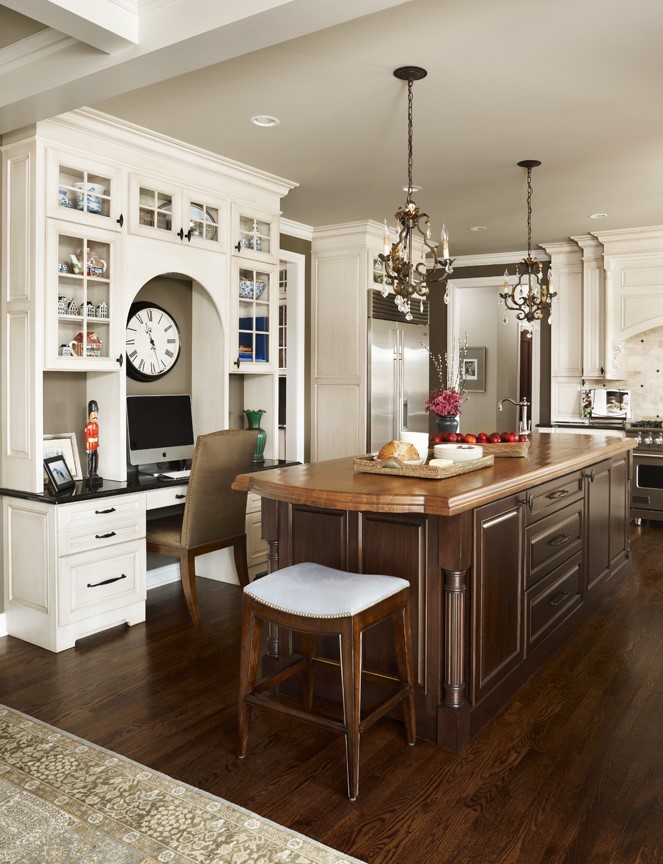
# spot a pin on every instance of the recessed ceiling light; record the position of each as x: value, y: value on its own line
x: 265, y: 120
x: 598, y: 215
x: 478, y: 228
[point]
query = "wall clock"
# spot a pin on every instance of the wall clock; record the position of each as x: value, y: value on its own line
x: 153, y: 342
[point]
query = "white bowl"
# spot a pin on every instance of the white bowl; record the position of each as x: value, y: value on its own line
x: 415, y: 461
x: 457, y: 452
x: 419, y: 440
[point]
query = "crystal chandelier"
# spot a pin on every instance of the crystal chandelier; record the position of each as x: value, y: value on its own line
x: 405, y: 256
x: 531, y: 295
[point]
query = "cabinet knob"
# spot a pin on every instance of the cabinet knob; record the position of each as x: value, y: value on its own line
x: 236, y: 363
x: 189, y: 234
x: 238, y: 247
x: 120, y: 221
x: 590, y: 475
x: 119, y: 360
x: 180, y: 233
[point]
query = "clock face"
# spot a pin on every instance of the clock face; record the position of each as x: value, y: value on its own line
x: 153, y: 342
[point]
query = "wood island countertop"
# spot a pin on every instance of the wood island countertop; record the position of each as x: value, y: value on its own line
x: 334, y: 484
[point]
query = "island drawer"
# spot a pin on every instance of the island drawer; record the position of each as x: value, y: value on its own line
x: 550, y: 497
x: 553, y: 600
x: 552, y: 540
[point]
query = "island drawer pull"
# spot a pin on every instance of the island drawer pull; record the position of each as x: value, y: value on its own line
x: 559, y: 540
x: 106, y: 581
x: 104, y: 512
x: 559, y: 598
x: 104, y: 536
x: 555, y: 496
x: 181, y: 495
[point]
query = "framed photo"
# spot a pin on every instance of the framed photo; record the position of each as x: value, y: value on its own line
x: 58, y: 473
x: 474, y: 370
x: 64, y: 444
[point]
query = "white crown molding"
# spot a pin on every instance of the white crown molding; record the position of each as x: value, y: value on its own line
x: 33, y: 48
x: 296, y: 229
x: 497, y: 258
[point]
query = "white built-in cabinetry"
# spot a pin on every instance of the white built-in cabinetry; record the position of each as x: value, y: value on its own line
x: 343, y: 274
x: 609, y: 287
x: 92, y: 210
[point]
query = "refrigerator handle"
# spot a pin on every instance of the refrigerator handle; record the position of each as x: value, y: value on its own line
x: 404, y: 413
x: 400, y: 391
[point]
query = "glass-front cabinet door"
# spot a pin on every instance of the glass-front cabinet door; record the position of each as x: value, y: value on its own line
x: 168, y: 212
x: 255, y: 234
x: 85, y: 192
x: 256, y: 302
x: 80, y: 313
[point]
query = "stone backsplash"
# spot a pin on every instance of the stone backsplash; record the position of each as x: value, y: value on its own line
x: 643, y: 364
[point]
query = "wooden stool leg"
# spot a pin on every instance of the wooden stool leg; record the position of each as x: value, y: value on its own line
x: 403, y: 642
x: 249, y: 654
x: 188, y: 577
x: 241, y: 562
x: 308, y: 650
x: 350, y: 637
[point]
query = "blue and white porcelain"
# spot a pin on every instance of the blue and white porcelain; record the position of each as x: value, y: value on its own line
x: 246, y: 289
x: 63, y: 198
x: 94, y: 190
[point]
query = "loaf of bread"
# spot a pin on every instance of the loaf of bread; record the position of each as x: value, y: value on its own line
x: 401, y: 450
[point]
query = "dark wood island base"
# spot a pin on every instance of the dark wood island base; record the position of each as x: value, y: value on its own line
x: 503, y: 563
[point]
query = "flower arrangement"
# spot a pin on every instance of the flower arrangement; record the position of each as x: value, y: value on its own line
x: 445, y: 400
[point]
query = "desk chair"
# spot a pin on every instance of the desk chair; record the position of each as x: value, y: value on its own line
x: 314, y: 600
x: 214, y: 514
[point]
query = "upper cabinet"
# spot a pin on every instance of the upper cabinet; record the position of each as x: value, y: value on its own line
x: 82, y: 234
x: 84, y: 191
x: 163, y: 210
x: 255, y: 234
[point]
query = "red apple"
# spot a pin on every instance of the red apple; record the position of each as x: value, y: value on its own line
x: 436, y: 439
x: 452, y: 437
x: 482, y: 437
x: 523, y: 438
x: 494, y: 438
x: 510, y: 437
x: 469, y: 438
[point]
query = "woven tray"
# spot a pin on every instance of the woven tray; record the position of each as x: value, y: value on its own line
x: 369, y: 465
x: 505, y: 449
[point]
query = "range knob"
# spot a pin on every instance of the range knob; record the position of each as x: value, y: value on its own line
x: 659, y: 439
x: 647, y: 438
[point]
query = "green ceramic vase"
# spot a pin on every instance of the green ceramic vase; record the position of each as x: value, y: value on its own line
x: 253, y: 418
x: 447, y: 423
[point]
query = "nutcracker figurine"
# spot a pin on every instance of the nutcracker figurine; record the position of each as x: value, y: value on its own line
x: 92, y: 439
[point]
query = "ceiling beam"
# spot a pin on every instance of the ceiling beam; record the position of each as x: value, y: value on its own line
x: 103, y: 24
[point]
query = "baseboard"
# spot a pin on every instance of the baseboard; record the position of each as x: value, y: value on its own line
x: 158, y: 576
x: 3, y: 624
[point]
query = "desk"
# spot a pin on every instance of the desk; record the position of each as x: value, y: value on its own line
x: 75, y: 563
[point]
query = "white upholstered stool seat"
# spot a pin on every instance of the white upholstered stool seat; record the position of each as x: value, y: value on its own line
x: 314, y: 600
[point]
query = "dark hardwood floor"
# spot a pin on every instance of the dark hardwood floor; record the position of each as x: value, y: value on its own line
x: 570, y: 771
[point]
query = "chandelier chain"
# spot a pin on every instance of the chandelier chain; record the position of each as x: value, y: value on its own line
x: 529, y: 212
x: 410, y: 101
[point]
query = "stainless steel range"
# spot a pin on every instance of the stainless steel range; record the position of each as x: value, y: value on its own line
x: 647, y: 483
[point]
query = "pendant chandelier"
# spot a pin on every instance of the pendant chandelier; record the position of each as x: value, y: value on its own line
x: 531, y: 295
x: 405, y: 256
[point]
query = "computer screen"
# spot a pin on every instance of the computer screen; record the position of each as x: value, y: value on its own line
x: 159, y: 429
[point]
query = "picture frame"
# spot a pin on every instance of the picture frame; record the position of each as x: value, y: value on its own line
x: 474, y: 370
x: 64, y: 444
x: 58, y: 473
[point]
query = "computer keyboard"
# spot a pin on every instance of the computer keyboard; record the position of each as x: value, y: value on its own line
x: 173, y: 475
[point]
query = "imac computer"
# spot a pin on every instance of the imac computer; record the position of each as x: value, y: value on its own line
x: 159, y: 432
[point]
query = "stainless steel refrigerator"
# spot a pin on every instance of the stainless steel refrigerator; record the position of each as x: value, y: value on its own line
x: 398, y: 366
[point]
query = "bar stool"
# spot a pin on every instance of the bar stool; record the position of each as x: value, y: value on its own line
x: 314, y: 600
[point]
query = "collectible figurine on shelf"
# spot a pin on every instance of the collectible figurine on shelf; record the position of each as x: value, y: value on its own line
x: 92, y: 443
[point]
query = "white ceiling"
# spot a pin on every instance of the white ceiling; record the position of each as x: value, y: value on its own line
x: 574, y: 83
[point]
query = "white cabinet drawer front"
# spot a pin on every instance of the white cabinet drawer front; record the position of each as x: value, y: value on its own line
x: 166, y: 497
x: 101, y: 512
x: 253, y: 503
x: 95, y: 582
x: 84, y: 539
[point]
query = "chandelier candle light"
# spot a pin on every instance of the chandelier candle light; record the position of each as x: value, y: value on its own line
x: 412, y: 277
x: 531, y: 296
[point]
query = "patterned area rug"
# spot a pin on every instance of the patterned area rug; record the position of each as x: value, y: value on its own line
x: 64, y: 800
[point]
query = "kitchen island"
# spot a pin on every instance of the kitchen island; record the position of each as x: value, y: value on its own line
x: 503, y: 562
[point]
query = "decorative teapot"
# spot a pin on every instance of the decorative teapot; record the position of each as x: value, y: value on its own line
x: 95, y: 266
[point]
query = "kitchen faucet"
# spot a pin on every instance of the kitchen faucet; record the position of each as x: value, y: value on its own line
x: 523, y: 405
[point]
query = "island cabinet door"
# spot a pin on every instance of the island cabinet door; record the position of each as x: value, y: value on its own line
x: 392, y: 544
x: 607, y: 519
x: 497, y: 619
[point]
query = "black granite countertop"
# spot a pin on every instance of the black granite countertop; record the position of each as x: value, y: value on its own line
x: 84, y: 491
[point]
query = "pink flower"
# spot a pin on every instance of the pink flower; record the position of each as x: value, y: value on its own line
x: 444, y: 403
